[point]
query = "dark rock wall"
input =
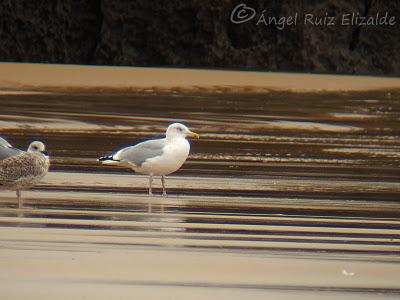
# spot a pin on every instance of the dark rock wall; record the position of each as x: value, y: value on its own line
x: 49, y: 31
x: 199, y: 33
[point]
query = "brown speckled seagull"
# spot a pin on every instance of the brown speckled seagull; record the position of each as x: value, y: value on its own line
x: 20, y: 170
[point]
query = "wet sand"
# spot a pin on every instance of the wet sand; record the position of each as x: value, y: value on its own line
x: 99, y: 245
x: 120, y: 270
x: 298, y: 198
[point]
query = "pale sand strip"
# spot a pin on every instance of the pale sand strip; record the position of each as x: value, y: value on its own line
x: 123, y: 263
x: 17, y: 76
x: 129, y: 181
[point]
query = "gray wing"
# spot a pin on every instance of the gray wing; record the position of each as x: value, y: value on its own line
x: 139, y: 153
x: 3, y: 142
x: 6, y: 150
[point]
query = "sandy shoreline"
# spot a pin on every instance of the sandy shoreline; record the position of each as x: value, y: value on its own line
x: 53, y: 77
x: 280, y: 198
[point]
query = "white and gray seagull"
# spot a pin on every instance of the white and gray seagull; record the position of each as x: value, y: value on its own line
x: 19, y: 169
x: 157, y: 157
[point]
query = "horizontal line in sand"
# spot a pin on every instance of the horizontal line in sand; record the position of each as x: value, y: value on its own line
x: 53, y: 77
x: 215, y: 217
x: 162, y: 224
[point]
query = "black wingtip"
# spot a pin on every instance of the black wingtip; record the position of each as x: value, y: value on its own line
x: 109, y: 157
x: 103, y: 158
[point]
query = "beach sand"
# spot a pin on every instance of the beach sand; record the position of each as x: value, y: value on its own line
x: 73, y: 77
x: 290, y: 193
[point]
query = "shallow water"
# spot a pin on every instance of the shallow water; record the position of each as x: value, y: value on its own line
x: 309, y: 180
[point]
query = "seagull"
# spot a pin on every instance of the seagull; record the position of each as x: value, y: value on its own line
x: 157, y: 157
x: 19, y: 169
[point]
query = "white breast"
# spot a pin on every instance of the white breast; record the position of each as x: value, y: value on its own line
x: 174, y: 155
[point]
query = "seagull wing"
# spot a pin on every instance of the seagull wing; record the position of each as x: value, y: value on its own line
x: 6, y: 150
x: 139, y: 153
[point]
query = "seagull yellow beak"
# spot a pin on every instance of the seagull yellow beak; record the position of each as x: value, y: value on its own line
x: 192, y: 134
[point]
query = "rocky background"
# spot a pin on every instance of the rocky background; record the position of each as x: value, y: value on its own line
x: 199, y: 33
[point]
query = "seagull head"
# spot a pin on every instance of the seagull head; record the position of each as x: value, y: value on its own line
x: 176, y: 130
x: 37, y: 146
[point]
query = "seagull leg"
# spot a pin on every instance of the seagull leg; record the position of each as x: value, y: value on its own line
x: 20, y: 204
x: 150, y: 185
x: 164, y: 191
x: 150, y: 191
